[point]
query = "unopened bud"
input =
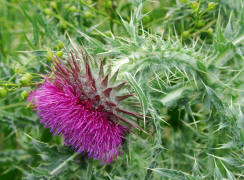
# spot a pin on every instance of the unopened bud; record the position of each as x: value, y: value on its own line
x: 73, y: 9
x: 24, y: 94
x: 185, y: 34
x: 49, y: 55
x: 210, y: 30
x: 25, y: 79
x: 60, y: 45
x: 3, y: 92
x: 200, y: 23
x: 211, y: 5
x: 53, y: 4
x: 48, y: 11
x: 194, y: 5
x: 59, y: 54
x: 184, y: 1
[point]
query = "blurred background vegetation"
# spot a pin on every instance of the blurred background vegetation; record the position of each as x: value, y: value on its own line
x: 183, y: 58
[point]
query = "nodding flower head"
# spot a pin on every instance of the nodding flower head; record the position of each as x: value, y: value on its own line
x: 84, y: 107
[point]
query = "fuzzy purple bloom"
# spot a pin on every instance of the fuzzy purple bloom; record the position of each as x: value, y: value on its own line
x: 83, y: 109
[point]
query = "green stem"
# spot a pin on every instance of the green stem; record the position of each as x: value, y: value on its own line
x: 18, y: 85
x: 12, y: 105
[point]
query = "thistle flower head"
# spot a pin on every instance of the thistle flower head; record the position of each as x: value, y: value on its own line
x: 84, y: 107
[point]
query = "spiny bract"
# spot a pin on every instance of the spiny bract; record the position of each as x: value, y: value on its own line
x: 83, y: 107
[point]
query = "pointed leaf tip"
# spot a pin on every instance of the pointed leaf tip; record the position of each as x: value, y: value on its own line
x: 107, y: 92
x: 129, y: 112
x: 105, y: 81
x: 101, y: 72
x: 120, y: 86
x: 114, y: 77
x: 109, y: 103
x: 88, y: 69
x: 121, y: 98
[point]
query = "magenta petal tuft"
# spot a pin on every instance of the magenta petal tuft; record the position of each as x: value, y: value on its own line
x: 75, y: 105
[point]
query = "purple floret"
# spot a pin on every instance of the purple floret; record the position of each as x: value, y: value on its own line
x: 82, y: 127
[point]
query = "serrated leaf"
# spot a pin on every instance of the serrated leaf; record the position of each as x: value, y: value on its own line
x: 215, y: 99
x: 170, y: 173
x: 174, y: 94
x: 217, y: 173
x: 39, y: 172
x: 54, y: 159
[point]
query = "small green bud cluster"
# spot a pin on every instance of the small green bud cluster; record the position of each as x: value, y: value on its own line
x: 198, y: 12
x: 59, y: 53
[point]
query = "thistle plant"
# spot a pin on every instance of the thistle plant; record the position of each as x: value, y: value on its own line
x: 181, y: 60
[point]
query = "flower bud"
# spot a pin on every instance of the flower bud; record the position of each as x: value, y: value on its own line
x: 59, y: 54
x: 184, y: 1
x: 28, y: 76
x: 3, y: 92
x: 63, y: 24
x: 210, y: 30
x: 73, y: 9
x: 211, y: 5
x: 24, y: 94
x: 89, y: 2
x: 146, y: 19
x: 88, y: 14
x: 48, y: 11
x: 53, y: 4
x: 60, y: 45
x: 194, y: 5
x: 200, y: 23
x: 108, y: 4
x: 25, y: 79
x: 67, y: 6
x: 185, y: 34
x: 49, y: 55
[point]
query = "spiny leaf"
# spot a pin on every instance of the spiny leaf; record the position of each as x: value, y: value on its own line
x: 140, y: 93
x: 170, y: 173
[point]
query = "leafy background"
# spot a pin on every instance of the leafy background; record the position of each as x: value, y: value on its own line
x: 184, y: 60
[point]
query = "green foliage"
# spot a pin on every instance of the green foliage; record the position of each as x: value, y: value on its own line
x: 183, y: 59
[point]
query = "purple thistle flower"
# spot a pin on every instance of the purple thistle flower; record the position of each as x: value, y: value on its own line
x: 83, y: 108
